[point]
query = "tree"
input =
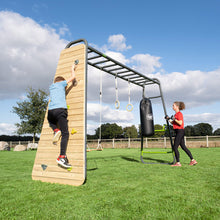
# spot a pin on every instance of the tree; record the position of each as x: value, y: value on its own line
x: 203, y: 129
x: 157, y: 132
x: 31, y: 112
x: 109, y: 131
x: 189, y: 130
x: 217, y: 132
x: 130, y: 132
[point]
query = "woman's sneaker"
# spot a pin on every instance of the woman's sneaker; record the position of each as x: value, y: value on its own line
x: 176, y: 165
x: 56, y: 137
x: 63, y: 161
x: 193, y: 162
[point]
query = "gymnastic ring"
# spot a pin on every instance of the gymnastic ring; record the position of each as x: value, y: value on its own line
x: 129, y: 107
x: 117, y: 104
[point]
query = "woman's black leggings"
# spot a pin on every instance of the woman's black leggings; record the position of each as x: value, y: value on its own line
x: 179, y: 140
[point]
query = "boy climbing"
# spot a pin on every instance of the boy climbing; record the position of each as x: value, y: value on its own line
x: 57, y: 114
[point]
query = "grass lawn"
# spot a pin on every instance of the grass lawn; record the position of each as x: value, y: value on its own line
x: 118, y: 187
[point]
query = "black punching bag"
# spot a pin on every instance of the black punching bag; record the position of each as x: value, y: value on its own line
x: 147, y: 120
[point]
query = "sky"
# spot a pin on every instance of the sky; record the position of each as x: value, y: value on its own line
x: 177, y: 42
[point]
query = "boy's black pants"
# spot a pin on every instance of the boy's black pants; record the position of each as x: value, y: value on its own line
x: 58, y: 118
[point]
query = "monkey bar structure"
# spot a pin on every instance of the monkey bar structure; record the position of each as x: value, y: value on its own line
x: 45, y: 167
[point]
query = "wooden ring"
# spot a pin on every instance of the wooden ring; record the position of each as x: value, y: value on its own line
x: 117, y: 104
x: 129, y: 107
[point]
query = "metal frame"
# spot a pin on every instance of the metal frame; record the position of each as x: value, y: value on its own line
x: 107, y: 64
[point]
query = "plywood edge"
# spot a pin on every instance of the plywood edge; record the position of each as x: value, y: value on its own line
x: 63, y: 181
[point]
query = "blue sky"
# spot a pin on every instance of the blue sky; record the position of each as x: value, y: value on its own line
x: 176, y: 41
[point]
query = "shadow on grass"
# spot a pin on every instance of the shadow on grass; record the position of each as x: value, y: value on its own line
x: 146, y: 160
x: 130, y: 159
x: 110, y: 158
x: 156, y: 161
x: 92, y: 169
x: 103, y: 158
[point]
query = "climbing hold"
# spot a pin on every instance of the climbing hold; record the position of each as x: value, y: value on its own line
x: 76, y: 62
x: 44, y: 166
x: 69, y: 169
x: 68, y: 106
x: 73, y: 131
x: 75, y: 82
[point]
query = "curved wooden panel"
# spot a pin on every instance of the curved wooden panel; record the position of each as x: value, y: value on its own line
x: 45, y: 166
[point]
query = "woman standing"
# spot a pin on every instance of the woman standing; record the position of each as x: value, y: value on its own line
x: 178, y: 126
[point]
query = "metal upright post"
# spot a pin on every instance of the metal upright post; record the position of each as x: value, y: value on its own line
x: 165, y: 113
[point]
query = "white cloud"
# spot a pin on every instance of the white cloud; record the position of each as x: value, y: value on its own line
x: 195, y: 88
x: 146, y: 63
x: 210, y: 118
x: 29, y: 54
x: 63, y: 30
x: 118, y: 42
x: 91, y: 128
x: 7, y: 129
x: 108, y: 115
x: 117, y: 56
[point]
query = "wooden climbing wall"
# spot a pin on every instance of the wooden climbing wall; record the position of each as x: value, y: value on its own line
x: 45, y: 167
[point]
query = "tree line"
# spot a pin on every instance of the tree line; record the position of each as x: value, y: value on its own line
x: 8, y: 138
x: 110, y: 131
x: 31, y: 112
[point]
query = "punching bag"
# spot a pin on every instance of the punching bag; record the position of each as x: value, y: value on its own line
x: 146, y: 116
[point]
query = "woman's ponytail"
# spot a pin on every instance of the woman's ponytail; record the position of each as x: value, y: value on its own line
x: 181, y: 105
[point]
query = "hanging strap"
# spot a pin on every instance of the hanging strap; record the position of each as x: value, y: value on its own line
x: 100, y: 116
x: 117, y: 103
x: 129, y: 106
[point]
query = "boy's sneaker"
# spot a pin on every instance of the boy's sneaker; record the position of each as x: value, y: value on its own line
x: 63, y: 161
x: 56, y: 137
x: 193, y: 162
x: 176, y: 165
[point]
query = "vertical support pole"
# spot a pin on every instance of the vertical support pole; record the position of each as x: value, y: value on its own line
x: 100, y: 118
x: 100, y: 115
x: 207, y: 141
x: 165, y: 142
x: 129, y: 143
x: 185, y: 139
x: 143, y: 95
x: 113, y: 143
x: 146, y: 143
x: 165, y: 113
x: 142, y: 142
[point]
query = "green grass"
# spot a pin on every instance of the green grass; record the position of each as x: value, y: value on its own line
x: 118, y: 187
